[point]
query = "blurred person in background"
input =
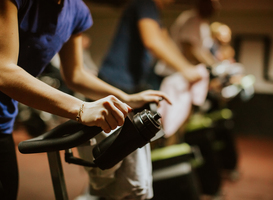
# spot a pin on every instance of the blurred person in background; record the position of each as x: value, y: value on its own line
x: 139, y: 39
x: 191, y: 32
x: 209, y: 43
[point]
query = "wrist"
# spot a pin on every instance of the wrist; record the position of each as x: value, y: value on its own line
x: 124, y: 97
x: 80, y: 112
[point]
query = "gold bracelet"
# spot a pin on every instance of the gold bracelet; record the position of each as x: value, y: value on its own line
x: 78, y: 118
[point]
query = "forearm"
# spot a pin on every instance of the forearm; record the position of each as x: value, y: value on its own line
x: 158, y: 41
x: 92, y: 87
x: 21, y: 86
x: 204, y: 56
x: 165, y: 50
x: 78, y: 78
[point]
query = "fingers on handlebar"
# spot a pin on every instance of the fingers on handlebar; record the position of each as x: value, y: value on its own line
x: 165, y: 97
x: 112, y: 121
x: 116, y: 112
x: 157, y: 96
x: 123, y: 107
x: 107, y: 113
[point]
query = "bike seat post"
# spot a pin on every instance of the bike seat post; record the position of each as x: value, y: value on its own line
x: 57, y: 175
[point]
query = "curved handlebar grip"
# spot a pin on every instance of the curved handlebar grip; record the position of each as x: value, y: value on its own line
x: 67, y: 135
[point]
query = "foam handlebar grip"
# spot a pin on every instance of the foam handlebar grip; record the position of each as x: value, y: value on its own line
x: 67, y: 135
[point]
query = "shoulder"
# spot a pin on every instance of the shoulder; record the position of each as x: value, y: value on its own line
x: 186, y: 15
x: 82, y: 15
x: 185, y: 19
x: 145, y: 4
x: 78, y: 6
x: 146, y: 9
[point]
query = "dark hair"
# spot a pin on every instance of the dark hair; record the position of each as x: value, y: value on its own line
x: 205, y: 8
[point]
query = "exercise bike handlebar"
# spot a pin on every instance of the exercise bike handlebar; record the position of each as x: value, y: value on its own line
x: 65, y: 136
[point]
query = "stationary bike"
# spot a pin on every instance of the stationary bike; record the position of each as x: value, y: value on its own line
x: 138, y: 130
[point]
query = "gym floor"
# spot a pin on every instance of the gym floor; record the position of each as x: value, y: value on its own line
x: 255, y: 168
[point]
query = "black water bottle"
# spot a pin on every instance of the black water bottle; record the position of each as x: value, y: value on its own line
x: 133, y: 134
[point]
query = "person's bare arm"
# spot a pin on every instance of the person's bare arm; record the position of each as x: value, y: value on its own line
x: 21, y: 86
x: 79, y: 79
x: 17, y: 83
x: 203, y: 56
x: 159, y: 43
